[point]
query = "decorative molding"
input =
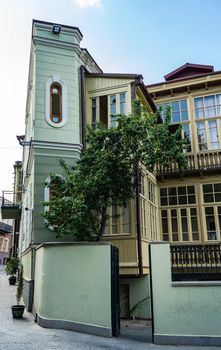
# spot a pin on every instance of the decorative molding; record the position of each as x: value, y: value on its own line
x: 57, y: 44
x: 57, y: 145
x: 56, y: 79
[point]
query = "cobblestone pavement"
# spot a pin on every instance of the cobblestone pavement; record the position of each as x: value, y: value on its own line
x: 25, y: 334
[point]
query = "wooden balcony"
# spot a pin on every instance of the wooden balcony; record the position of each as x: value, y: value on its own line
x: 11, y: 204
x: 196, y: 162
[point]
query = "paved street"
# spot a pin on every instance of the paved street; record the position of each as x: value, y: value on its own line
x: 25, y: 334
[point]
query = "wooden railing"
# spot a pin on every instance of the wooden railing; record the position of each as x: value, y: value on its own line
x: 199, y: 161
x: 196, y: 262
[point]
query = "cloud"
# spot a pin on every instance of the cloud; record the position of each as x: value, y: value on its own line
x: 88, y: 3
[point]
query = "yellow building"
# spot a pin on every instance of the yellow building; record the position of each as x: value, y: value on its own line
x: 190, y: 205
x: 105, y: 96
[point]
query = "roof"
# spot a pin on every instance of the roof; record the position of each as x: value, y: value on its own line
x: 189, y: 70
x: 58, y: 24
x: 113, y: 75
x: 183, y: 79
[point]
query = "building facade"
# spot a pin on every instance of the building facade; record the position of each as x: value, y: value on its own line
x: 189, y: 205
x: 5, y: 238
x: 66, y: 91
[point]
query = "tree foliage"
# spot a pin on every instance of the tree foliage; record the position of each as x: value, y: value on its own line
x: 104, y: 175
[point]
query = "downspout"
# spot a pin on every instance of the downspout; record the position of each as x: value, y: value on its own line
x: 83, y: 113
x: 137, y: 191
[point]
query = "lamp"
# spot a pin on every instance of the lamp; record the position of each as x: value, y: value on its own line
x: 56, y: 29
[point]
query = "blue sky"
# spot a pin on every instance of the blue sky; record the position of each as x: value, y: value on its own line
x: 151, y: 37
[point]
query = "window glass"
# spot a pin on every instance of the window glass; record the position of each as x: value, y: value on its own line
x: 210, y: 223
x: 201, y: 134
x: 123, y: 103
x: 113, y: 110
x: 56, y: 103
x: 212, y: 193
x: 94, y: 112
x: 186, y: 130
x: 177, y: 195
x: 214, y: 140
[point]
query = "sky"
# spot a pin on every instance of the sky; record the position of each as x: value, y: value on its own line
x: 148, y: 37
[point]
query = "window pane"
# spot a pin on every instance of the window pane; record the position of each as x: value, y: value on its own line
x: 217, y: 187
x: 172, y: 200
x: 182, y: 200
x: 122, y: 103
x: 183, y: 104
x: 191, y: 199
x: 163, y: 192
x: 208, y: 198
x: 207, y: 188
x: 182, y: 190
x: 164, y: 213
x: 193, y: 211
x: 198, y: 102
x: 175, y: 106
x: 209, y: 101
x: 165, y: 225
x: 218, y: 101
x: 163, y: 201
x: 176, y: 117
x: 55, y: 104
x: 113, y: 104
x: 217, y: 197
x: 172, y: 191
x: 209, y: 210
x: 191, y: 189
x: 184, y: 115
x: 183, y: 212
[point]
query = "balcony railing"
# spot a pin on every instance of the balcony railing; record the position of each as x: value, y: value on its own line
x: 11, y: 204
x: 199, y: 161
x: 196, y: 262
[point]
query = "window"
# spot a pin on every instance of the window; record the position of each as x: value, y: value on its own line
x: 201, y: 135
x: 93, y: 112
x: 207, y: 106
x: 179, y: 114
x: 180, y: 224
x: 212, y: 193
x: 179, y: 110
x: 113, y: 111
x: 177, y: 195
x: 119, y: 220
x: 210, y: 223
x: 56, y: 102
x: 186, y: 133
x: 105, y: 108
x: 123, y: 103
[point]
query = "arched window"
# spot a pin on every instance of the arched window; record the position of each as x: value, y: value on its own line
x: 56, y: 103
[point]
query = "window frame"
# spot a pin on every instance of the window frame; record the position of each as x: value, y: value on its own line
x: 205, y: 119
x: 53, y: 80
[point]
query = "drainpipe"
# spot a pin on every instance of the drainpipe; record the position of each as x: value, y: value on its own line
x: 137, y: 196
x: 83, y: 113
x: 139, y: 241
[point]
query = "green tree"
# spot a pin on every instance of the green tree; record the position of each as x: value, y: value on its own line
x: 105, y: 174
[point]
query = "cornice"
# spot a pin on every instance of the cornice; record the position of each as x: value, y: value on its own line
x: 57, y: 44
x: 65, y: 29
x: 57, y: 145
